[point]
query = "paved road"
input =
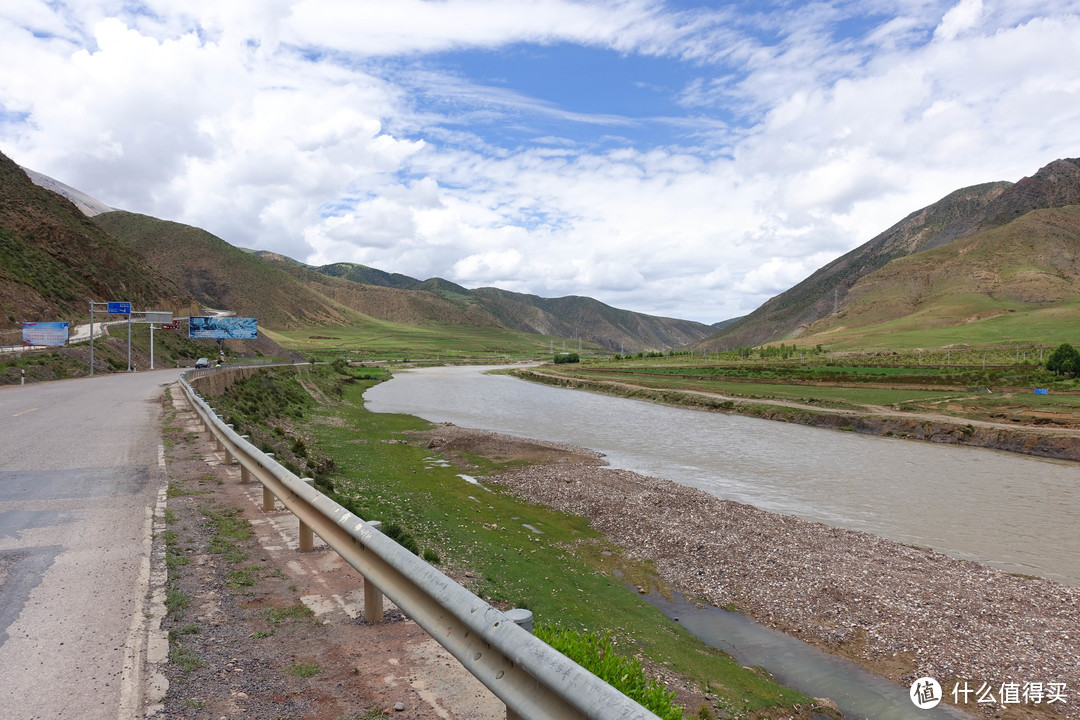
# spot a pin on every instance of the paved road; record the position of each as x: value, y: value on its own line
x: 79, y: 478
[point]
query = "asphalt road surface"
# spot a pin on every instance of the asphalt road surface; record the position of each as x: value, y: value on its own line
x: 79, y: 480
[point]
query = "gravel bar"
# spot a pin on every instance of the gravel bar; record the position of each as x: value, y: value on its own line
x: 902, y: 611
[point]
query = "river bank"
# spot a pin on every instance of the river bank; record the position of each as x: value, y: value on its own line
x: 903, y: 612
x: 1058, y: 445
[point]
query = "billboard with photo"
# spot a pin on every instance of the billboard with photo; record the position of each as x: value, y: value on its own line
x: 45, y: 333
x: 227, y: 328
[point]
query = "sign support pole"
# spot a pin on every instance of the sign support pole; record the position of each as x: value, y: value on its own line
x: 129, y: 340
x: 152, y: 346
x: 91, y: 337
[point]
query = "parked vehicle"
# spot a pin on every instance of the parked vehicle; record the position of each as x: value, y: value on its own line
x: 202, y: 363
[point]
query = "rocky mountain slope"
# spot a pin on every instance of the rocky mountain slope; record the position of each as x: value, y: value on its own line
x: 961, y: 214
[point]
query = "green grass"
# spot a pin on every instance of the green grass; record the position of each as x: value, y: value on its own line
x: 228, y: 529
x: 276, y: 616
x: 176, y: 602
x: 952, y: 382
x: 1018, y: 324
x: 303, y: 670
x: 370, y: 339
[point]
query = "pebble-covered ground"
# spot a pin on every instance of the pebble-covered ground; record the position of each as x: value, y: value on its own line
x: 904, y: 612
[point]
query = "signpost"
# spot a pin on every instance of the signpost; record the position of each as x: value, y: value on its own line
x: 111, y: 308
x: 165, y: 318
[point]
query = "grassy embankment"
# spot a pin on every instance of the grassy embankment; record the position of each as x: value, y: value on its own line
x: 975, y: 385
x: 567, y: 574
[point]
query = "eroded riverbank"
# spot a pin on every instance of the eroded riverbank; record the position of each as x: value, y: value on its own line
x: 901, y: 611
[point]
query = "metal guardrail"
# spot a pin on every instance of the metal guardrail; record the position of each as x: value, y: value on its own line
x: 528, y: 675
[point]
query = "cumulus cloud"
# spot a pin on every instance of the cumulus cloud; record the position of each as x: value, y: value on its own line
x: 330, y: 131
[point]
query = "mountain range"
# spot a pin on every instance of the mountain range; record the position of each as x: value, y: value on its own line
x: 983, y: 253
x: 56, y: 240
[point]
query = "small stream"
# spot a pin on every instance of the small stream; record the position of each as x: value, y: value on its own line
x: 859, y: 693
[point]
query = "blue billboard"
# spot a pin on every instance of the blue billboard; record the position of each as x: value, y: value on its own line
x: 52, y: 334
x: 223, y: 328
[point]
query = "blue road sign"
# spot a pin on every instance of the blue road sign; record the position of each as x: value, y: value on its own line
x: 119, y: 308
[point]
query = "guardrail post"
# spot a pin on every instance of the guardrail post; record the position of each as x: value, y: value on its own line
x: 245, y: 474
x: 524, y: 619
x: 373, y: 597
x: 229, y: 459
x: 307, y: 538
x: 268, y: 497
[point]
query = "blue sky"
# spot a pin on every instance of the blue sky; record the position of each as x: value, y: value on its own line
x: 676, y: 158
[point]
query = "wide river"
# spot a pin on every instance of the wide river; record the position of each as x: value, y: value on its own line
x: 1016, y: 513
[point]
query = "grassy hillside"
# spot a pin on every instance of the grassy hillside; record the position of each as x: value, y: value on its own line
x: 1019, y: 282
x: 962, y: 214
x: 815, y: 297
x: 370, y: 338
x: 54, y: 260
x: 221, y: 276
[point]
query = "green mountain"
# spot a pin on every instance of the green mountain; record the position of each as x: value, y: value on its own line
x: 54, y: 260
x: 401, y: 298
x: 286, y: 295
x: 220, y: 276
x: 807, y: 307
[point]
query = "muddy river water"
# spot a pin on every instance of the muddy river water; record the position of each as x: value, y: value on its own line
x: 1017, y: 513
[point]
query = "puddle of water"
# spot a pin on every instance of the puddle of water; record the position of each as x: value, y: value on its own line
x: 859, y: 693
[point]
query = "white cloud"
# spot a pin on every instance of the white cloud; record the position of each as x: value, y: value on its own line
x: 964, y: 16
x: 277, y: 125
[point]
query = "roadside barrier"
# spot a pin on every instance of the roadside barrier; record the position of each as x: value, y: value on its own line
x: 528, y: 675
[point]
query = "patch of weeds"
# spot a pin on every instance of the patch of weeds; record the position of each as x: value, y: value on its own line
x: 193, y: 703
x: 260, y: 634
x: 276, y: 616
x: 174, y: 490
x: 169, y: 516
x: 176, y: 601
x: 242, y: 578
x: 176, y: 633
x: 304, y: 670
x: 228, y: 528
x: 372, y: 714
x: 432, y: 557
x: 184, y: 658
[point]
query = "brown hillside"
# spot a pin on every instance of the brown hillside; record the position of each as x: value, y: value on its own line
x: 410, y: 307
x: 815, y: 297
x: 221, y: 276
x: 1032, y: 261
x: 54, y: 260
